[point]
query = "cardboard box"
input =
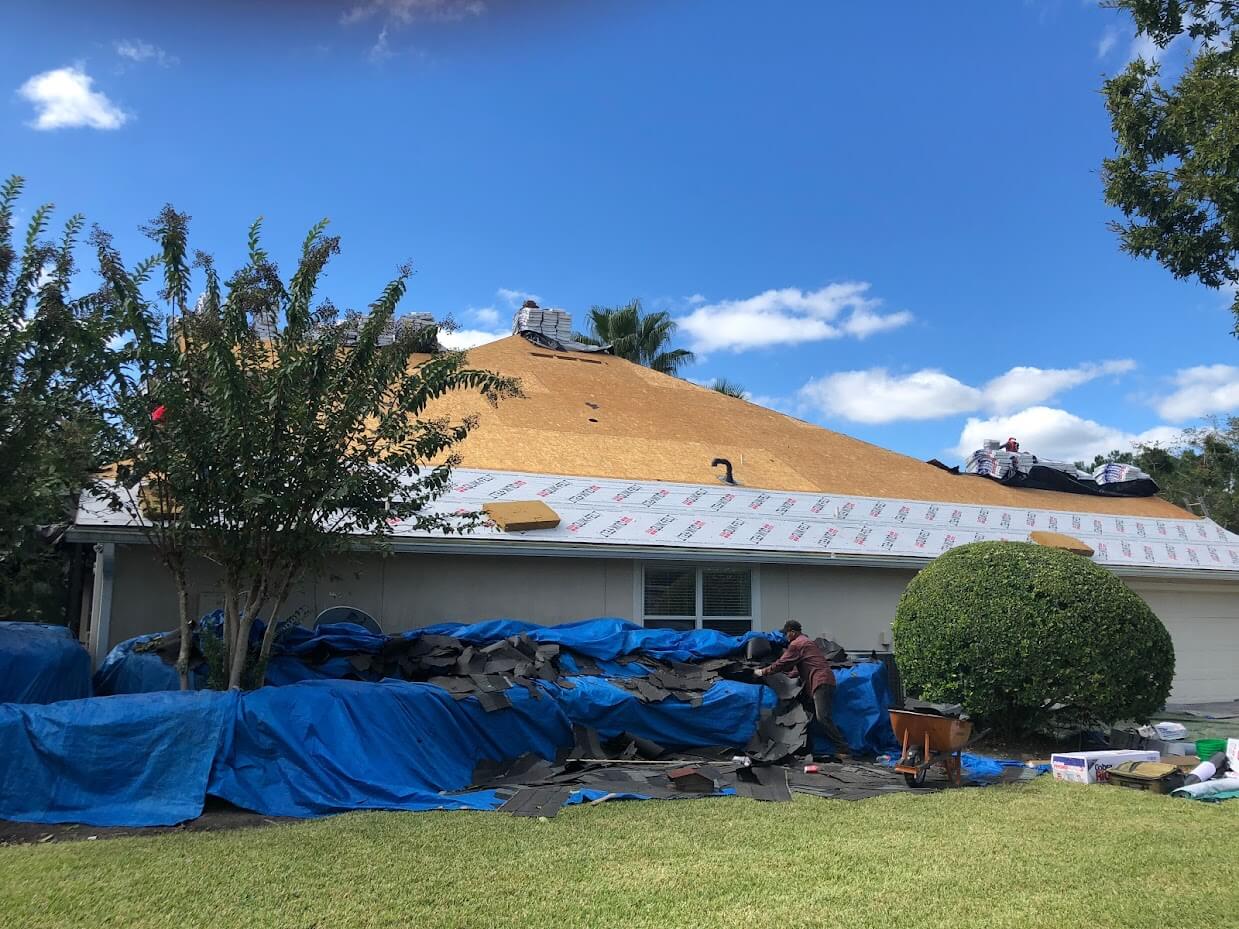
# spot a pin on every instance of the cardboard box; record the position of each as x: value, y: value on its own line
x: 1091, y: 767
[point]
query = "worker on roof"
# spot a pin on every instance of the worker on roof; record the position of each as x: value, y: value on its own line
x: 802, y: 659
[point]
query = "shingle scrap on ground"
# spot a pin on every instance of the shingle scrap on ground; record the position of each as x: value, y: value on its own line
x: 627, y: 766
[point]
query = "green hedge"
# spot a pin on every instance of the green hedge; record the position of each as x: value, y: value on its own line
x: 1011, y: 630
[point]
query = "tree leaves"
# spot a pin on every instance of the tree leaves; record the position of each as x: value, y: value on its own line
x: 640, y: 337
x: 1175, y: 174
x: 52, y: 429
x: 290, y: 433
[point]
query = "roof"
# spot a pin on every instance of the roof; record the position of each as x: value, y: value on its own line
x: 599, y: 517
x: 601, y: 416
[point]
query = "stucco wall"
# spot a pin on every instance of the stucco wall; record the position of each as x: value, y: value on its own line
x: 403, y: 591
x: 854, y: 606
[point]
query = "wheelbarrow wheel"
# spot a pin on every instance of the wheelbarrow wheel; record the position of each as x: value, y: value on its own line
x: 917, y: 779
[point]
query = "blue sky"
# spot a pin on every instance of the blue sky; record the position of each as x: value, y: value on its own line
x: 885, y: 218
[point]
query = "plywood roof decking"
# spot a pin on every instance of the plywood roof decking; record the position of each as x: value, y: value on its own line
x: 601, y: 416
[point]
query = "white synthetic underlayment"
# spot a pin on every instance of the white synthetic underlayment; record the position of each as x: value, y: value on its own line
x: 649, y: 513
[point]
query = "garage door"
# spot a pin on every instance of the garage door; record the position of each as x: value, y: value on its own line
x: 1203, y: 620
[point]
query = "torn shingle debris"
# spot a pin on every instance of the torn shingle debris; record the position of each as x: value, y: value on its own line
x: 610, y: 769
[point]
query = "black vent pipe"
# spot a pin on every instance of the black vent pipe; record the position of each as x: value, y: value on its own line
x: 727, y: 478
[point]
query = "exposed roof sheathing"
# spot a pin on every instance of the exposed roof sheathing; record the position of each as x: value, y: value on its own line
x: 601, y: 416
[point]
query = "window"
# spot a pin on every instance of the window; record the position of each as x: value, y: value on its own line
x: 686, y: 597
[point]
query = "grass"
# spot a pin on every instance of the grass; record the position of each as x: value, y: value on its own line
x: 1041, y: 855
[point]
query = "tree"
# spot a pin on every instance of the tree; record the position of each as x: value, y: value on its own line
x: 640, y: 337
x: 52, y: 358
x: 1200, y: 470
x: 1024, y: 636
x: 1175, y: 175
x: 268, y: 431
x: 729, y: 388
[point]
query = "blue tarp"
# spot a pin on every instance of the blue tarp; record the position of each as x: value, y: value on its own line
x: 319, y: 744
x: 40, y: 663
x: 140, y: 760
x: 862, y: 699
x: 297, y: 655
x: 313, y: 748
x: 299, y: 751
x: 126, y: 670
x: 979, y: 769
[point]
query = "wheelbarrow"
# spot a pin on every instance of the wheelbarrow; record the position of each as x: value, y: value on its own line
x: 929, y: 739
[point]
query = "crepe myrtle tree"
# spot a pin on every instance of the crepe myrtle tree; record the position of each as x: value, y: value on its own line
x: 269, y: 430
x: 53, y: 346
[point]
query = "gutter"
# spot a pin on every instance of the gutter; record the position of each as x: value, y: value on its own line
x: 530, y: 548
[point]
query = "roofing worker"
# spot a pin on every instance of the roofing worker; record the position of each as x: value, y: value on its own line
x: 804, y: 660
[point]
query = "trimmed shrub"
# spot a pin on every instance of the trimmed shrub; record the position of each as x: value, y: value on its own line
x: 1022, y: 635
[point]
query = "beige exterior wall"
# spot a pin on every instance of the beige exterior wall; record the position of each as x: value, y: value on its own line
x: 1203, y: 621
x: 403, y: 591
x: 854, y: 606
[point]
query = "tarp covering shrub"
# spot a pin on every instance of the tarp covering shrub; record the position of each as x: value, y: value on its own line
x: 1021, y: 635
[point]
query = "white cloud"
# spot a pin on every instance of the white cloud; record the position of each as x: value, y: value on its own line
x: 1144, y: 47
x: 380, y: 50
x: 1201, y: 391
x: 515, y: 298
x: 695, y: 300
x: 486, y: 316
x: 409, y: 11
x: 470, y: 338
x: 139, y: 51
x: 1025, y: 386
x: 1109, y: 39
x: 863, y: 323
x: 1057, y: 434
x: 876, y: 396
x: 788, y: 316
x: 64, y: 100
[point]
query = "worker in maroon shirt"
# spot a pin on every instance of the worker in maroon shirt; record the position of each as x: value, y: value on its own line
x: 804, y: 660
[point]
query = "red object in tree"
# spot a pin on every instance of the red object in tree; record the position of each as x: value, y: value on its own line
x: 158, y: 413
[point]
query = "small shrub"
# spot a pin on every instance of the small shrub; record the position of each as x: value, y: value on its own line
x: 1022, y: 635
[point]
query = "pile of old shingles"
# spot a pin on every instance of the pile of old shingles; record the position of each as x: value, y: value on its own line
x: 487, y: 672
x: 631, y: 767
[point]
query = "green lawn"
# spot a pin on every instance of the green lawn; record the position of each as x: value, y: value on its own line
x: 1041, y: 855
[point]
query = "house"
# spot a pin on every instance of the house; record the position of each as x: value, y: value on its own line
x: 814, y: 525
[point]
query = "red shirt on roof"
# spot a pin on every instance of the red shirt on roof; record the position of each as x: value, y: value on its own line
x: 805, y: 660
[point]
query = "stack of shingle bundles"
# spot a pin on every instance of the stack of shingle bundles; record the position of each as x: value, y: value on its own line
x: 1065, y: 467
x: 411, y: 322
x: 415, y: 321
x: 983, y: 461
x: 557, y: 324
x: 1114, y: 473
x: 998, y: 463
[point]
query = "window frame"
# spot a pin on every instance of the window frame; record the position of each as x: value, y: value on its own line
x: 698, y: 569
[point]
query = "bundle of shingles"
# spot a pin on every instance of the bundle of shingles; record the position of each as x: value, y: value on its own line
x: 631, y: 767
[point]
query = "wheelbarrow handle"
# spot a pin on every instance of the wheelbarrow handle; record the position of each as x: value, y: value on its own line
x: 975, y: 739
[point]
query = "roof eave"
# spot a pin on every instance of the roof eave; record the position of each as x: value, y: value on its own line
x: 527, y: 547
